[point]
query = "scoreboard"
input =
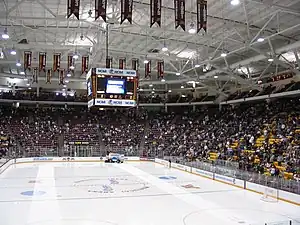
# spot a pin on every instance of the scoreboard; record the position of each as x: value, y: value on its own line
x: 111, y: 87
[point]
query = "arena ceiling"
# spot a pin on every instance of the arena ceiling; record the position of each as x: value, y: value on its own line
x: 259, y: 37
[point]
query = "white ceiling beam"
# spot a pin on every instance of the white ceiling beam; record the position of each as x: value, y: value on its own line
x: 276, y: 60
x: 47, y: 9
x: 281, y: 7
x: 264, y: 26
x: 14, y: 7
x: 252, y: 59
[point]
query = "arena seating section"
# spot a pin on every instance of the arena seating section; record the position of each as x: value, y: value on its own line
x: 261, y: 137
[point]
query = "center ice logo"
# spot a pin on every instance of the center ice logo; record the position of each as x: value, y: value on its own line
x: 111, y: 185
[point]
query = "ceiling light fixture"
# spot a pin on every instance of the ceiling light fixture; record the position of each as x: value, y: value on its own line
x: 182, y: 86
x: 261, y: 39
x: 13, y: 52
x: 69, y: 75
x: 90, y: 18
x: 216, y: 77
x: 270, y: 60
x: 192, y: 29
x: 75, y: 56
x: 235, y: 2
x: 163, y: 80
x: 5, y: 34
x: 146, y: 61
x: 72, y: 67
x: 197, y: 66
x: 28, y: 84
x: 18, y: 64
x: 169, y: 91
x: 164, y: 49
x: 67, y: 81
x: 223, y: 54
x: 177, y: 74
x: 22, y: 73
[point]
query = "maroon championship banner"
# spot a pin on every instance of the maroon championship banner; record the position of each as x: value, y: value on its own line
x: 73, y: 8
x: 155, y: 12
x: 109, y: 62
x: 61, y: 77
x: 179, y: 7
x: 42, y: 61
x: 201, y: 15
x: 35, y: 75
x: 27, y: 60
x: 135, y: 64
x: 70, y: 62
x: 148, y: 69
x: 48, y: 76
x: 100, y: 9
x: 122, y: 63
x: 126, y: 10
x: 84, y: 64
x: 56, y: 62
x: 160, y: 69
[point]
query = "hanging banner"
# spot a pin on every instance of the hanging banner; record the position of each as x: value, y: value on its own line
x: 201, y: 15
x: 56, y: 62
x: 148, y: 70
x: 135, y: 64
x: 126, y: 10
x: 42, y: 61
x: 73, y: 8
x: 160, y: 69
x: 84, y: 64
x: 35, y: 75
x: 108, y: 62
x: 100, y: 9
x: 179, y: 7
x: 27, y: 60
x: 155, y: 12
x: 48, y: 76
x: 61, y: 77
x: 122, y: 63
x: 70, y: 62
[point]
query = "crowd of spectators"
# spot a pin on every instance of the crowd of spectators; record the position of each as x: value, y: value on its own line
x: 261, y: 137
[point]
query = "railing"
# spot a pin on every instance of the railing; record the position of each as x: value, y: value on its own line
x: 270, y: 181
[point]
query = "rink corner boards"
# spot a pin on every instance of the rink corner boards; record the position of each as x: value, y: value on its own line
x: 243, y: 184
x: 249, y: 186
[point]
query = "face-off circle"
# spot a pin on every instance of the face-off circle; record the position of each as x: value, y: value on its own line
x: 111, y: 185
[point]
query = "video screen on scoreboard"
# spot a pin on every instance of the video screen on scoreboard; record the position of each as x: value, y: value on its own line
x: 115, y: 86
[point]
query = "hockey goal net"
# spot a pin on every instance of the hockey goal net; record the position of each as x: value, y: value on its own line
x: 270, y: 195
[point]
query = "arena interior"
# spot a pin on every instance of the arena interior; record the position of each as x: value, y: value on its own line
x: 149, y: 112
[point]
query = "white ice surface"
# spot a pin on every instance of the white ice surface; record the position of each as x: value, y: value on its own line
x: 74, y: 195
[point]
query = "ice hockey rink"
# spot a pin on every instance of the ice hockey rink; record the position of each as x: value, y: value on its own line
x: 135, y: 193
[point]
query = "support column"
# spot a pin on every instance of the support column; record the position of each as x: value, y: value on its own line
x: 166, y: 97
x: 38, y: 90
x: 14, y: 90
